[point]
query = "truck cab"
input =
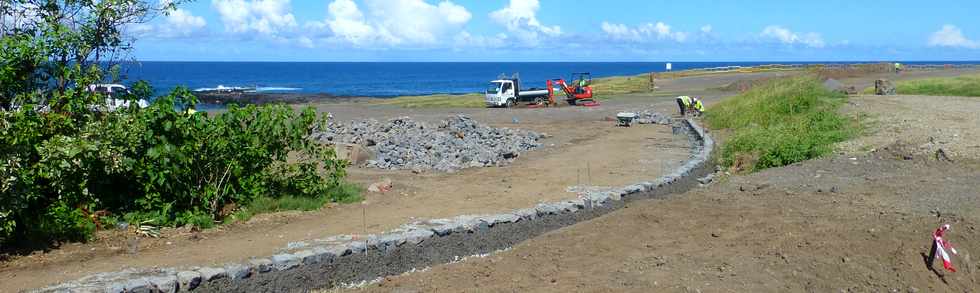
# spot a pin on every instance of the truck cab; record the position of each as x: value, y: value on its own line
x: 501, y: 93
x: 508, y: 92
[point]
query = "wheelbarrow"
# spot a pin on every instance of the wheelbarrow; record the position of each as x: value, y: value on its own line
x: 625, y: 119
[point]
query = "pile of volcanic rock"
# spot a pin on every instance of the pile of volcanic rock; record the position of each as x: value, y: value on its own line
x: 456, y: 143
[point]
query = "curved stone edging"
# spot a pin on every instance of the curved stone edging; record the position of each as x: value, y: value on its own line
x: 329, y: 262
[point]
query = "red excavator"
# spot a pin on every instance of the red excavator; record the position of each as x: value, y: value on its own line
x: 579, y: 93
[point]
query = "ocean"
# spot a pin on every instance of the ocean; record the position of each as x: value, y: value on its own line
x: 387, y: 79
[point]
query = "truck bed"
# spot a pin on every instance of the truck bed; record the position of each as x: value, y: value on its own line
x: 534, y: 92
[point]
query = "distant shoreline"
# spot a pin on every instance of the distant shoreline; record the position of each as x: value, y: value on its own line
x: 223, y: 99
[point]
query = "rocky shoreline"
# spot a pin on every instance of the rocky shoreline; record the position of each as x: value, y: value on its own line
x: 246, y: 98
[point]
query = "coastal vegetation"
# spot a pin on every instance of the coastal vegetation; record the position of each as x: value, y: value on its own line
x: 780, y: 122
x: 70, y: 165
x: 965, y: 86
x: 474, y: 100
x: 620, y: 85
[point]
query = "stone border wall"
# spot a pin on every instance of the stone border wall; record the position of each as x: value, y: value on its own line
x: 329, y: 262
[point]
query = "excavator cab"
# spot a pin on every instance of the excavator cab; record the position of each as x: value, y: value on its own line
x: 582, y: 88
x: 581, y: 80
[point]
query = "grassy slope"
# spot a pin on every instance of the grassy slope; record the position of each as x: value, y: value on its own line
x: 967, y: 85
x: 474, y: 100
x: 619, y: 85
x: 779, y: 123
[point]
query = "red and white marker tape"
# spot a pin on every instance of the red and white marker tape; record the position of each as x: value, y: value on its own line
x: 942, y: 245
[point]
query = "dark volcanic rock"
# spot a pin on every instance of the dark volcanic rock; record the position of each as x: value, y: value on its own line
x: 456, y: 143
x: 244, y: 98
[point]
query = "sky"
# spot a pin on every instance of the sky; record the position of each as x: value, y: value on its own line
x: 547, y: 30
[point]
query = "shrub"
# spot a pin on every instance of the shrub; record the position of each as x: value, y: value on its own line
x: 781, y: 122
x: 158, y: 163
x: 65, y: 164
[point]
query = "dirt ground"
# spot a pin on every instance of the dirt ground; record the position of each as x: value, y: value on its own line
x: 763, y: 240
x: 857, y: 221
x: 829, y: 225
x: 920, y: 124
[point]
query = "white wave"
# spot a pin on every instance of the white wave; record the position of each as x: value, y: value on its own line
x: 224, y: 88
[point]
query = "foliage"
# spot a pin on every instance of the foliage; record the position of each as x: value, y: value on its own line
x: 66, y: 162
x: 343, y: 193
x: 780, y: 123
x: 157, y: 163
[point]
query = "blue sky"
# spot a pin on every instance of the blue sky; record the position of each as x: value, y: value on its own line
x: 546, y: 30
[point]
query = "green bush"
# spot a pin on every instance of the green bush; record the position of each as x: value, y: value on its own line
x: 66, y: 164
x: 158, y: 163
x: 782, y: 122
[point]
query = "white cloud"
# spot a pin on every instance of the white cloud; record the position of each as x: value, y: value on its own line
x: 347, y: 21
x: 415, y: 21
x: 706, y: 29
x: 788, y: 37
x: 645, y: 32
x: 273, y: 18
x: 176, y: 23
x: 519, y: 17
x: 305, y: 42
x: 951, y: 36
x: 391, y: 22
x: 182, y: 23
x: 617, y: 30
x: 466, y: 40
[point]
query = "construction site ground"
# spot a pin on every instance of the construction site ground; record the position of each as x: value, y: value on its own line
x: 812, y: 224
x: 859, y: 220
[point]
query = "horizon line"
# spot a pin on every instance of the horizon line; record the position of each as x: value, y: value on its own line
x: 685, y: 61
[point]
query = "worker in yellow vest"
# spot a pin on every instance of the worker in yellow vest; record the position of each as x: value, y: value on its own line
x: 683, y: 102
x: 698, y: 107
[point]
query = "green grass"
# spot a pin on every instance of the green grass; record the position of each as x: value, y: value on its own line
x: 345, y: 193
x: 619, y: 85
x: 779, y: 123
x: 967, y: 86
x: 474, y: 100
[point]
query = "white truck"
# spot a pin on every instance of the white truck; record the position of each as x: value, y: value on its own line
x: 507, y: 92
